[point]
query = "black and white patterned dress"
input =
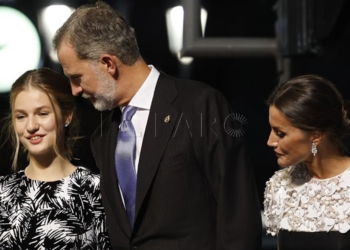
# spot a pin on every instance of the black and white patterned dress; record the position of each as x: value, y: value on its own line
x: 63, y: 214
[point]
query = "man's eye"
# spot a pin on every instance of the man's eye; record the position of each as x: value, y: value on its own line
x: 74, y: 78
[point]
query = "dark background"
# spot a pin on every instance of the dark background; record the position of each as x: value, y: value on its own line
x: 245, y: 81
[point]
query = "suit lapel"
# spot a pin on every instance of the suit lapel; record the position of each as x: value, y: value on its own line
x: 110, y: 181
x: 157, y: 134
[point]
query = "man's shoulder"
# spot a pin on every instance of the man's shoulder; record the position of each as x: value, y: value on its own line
x: 185, y: 83
x: 192, y: 88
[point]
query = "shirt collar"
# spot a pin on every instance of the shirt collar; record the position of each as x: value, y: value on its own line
x: 144, y: 96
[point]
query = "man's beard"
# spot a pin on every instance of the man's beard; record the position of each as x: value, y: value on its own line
x: 103, y: 99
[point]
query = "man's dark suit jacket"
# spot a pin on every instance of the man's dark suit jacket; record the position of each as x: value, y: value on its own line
x: 195, y: 186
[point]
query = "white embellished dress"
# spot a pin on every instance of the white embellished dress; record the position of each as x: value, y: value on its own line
x: 308, y: 213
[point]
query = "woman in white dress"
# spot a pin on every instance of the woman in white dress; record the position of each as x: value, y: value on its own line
x: 307, y: 203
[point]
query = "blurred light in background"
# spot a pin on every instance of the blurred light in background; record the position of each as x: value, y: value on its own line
x: 20, y: 47
x: 49, y: 20
x: 174, y: 22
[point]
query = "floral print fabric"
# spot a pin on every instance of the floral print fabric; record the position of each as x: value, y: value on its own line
x: 63, y: 214
x: 296, y: 202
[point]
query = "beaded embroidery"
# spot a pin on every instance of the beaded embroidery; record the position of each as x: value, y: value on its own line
x: 296, y: 202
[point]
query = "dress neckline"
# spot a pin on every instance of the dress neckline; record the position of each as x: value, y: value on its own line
x: 321, y: 180
x: 59, y: 180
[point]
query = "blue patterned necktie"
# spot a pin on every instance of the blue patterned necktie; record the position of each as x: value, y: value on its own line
x: 125, y: 161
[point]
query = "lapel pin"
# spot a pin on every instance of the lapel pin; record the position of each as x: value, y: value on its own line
x: 167, y: 119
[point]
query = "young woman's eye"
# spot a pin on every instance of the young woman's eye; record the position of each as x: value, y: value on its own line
x: 43, y: 114
x: 19, y: 117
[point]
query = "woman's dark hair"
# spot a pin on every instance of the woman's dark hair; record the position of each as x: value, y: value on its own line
x: 57, y: 88
x: 313, y: 103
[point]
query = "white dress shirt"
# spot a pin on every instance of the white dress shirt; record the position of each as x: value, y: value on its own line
x: 143, y: 100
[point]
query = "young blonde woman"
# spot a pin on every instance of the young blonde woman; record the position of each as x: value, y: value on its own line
x: 50, y: 204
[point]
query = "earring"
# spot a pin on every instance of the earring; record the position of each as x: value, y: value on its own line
x: 313, y: 149
x: 66, y: 125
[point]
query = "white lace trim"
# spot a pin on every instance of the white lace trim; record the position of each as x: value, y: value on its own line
x: 296, y: 202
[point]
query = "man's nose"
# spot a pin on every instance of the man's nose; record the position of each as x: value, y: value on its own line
x: 76, y: 89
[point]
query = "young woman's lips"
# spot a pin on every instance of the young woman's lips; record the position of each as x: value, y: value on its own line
x: 36, y: 139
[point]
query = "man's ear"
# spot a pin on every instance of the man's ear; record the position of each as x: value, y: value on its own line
x: 109, y: 64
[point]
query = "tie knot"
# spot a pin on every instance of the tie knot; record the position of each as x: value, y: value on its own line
x: 128, y: 112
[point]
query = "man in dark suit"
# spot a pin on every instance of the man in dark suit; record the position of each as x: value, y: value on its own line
x: 194, y: 182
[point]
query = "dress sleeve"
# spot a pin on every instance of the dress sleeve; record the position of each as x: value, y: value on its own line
x: 101, y: 232
x: 4, y: 221
x: 8, y: 230
x: 270, y: 208
x: 100, y: 224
